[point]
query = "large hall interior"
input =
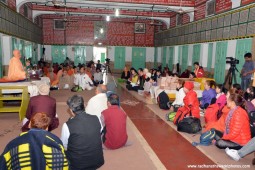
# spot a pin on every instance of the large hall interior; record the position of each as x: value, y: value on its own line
x: 174, y: 80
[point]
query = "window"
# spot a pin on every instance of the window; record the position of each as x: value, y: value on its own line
x: 210, y: 7
x: 59, y: 24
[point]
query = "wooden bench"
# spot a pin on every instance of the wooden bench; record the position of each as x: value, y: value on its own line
x: 24, y: 98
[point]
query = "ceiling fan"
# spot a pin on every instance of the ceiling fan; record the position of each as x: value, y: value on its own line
x: 180, y: 10
x: 153, y: 21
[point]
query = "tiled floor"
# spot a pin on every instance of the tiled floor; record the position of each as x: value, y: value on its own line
x: 172, y: 149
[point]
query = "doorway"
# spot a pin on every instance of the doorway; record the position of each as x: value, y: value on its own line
x: 99, y: 53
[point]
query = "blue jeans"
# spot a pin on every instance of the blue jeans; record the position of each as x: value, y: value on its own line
x: 245, y: 83
x: 248, y: 148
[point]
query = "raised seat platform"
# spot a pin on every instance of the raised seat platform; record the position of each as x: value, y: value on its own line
x: 24, y: 98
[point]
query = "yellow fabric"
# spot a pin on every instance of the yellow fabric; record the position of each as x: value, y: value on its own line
x: 134, y: 79
x: 202, y: 81
x: 16, y: 70
x: 24, y: 148
x: 171, y: 96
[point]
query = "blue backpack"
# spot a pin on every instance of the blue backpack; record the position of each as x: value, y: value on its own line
x: 206, y: 138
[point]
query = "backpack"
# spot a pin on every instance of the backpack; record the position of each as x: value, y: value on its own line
x: 162, y: 100
x: 170, y: 116
x: 181, y: 113
x: 206, y: 138
x: 252, y: 122
x: 190, y: 125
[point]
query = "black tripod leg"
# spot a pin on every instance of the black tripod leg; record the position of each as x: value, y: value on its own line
x: 227, y: 77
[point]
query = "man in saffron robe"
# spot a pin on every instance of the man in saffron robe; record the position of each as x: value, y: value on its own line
x: 16, y: 70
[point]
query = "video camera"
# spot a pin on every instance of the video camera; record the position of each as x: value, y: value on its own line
x: 232, y: 61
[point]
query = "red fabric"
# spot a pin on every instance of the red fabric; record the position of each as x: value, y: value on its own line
x: 211, y: 113
x: 199, y: 72
x: 220, y: 124
x: 115, y: 122
x: 42, y: 103
x: 181, y: 113
x: 239, y: 128
x: 191, y: 101
x: 189, y: 85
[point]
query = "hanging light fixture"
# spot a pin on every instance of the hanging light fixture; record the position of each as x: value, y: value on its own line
x: 107, y: 18
x: 117, y: 12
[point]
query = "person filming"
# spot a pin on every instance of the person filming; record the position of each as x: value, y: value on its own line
x: 247, y: 71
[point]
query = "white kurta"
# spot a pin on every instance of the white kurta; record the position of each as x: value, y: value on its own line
x: 85, y: 82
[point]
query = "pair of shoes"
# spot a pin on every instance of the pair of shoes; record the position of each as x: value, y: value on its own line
x: 233, y: 154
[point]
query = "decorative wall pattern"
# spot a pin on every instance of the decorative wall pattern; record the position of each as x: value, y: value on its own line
x: 117, y: 33
x: 237, y: 23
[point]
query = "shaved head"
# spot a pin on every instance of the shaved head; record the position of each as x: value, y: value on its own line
x: 16, y: 53
x: 101, y: 89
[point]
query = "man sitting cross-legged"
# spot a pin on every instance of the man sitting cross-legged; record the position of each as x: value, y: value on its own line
x: 97, y: 103
x: 81, y: 137
x: 42, y: 103
x: 114, y: 122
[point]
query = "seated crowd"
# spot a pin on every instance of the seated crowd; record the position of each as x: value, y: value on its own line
x: 86, y: 133
x: 102, y: 123
x: 229, y: 113
x: 67, y: 76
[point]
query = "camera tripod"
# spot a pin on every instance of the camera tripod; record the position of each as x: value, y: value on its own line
x: 107, y: 69
x: 231, y: 75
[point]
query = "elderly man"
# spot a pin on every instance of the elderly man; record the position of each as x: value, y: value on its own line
x: 98, y: 103
x: 42, y: 103
x: 81, y: 137
x: 16, y: 71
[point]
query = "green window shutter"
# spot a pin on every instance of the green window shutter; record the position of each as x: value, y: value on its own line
x: 196, y: 54
x: 79, y: 55
x: 155, y: 57
x: 242, y: 47
x: 138, y: 57
x: 220, y: 62
x: 163, y: 61
x: 119, y: 57
x: 171, y: 58
x: 58, y: 53
x: 210, y: 53
x: 184, y: 64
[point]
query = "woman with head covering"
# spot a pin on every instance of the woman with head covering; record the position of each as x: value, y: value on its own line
x: 190, y: 100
